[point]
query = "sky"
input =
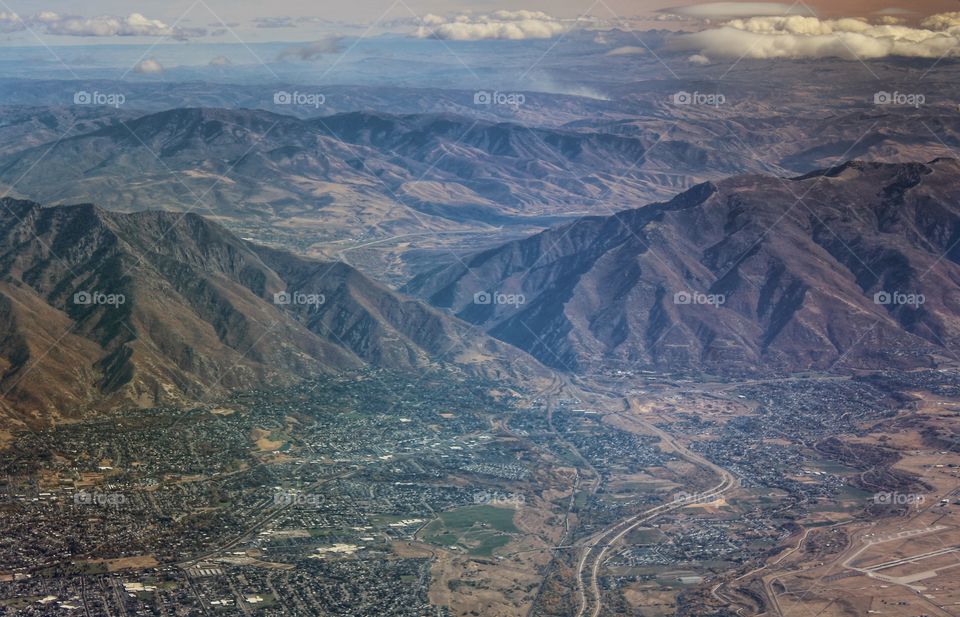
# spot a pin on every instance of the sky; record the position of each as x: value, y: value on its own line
x: 61, y: 22
x: 156, y: 36
x: 367, y: 10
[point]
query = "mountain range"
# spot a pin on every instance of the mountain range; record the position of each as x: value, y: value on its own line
x: 854, y: 266
x: 348, y: 173
x: 108, y: 309
x: 351, y: 178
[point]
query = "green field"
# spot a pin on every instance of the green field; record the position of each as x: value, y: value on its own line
x: 478, y: 529
x: 500, y: 519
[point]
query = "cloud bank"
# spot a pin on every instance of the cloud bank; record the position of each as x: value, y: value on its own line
x: 148, y: 67
x: 134, y: 24
x: 714, y: 10
x: 627, y: 50
x: 810, y: 37
x: 510, y: 25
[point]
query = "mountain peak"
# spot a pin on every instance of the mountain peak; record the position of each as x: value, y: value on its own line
x: 156, y: 307
x: 793, y: 276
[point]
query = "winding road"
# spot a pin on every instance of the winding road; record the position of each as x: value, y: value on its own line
x: 597, y: 546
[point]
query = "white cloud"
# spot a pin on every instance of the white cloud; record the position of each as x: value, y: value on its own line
x: 713, y: 10
x: 520, y: 15
x: 671, y: 17
x: 698, y: 59
x: 626, y: 51
x: 134, y: 24
x: 512, y: 25
x: 433, y: 20
x: 148, y: 67
x: 10, y: 22
x: 943, y: 21
x: 811, y: 37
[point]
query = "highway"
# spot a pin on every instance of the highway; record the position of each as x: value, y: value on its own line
x: 597, y: 546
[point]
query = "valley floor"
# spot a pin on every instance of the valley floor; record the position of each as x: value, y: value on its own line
x: 382, y: 494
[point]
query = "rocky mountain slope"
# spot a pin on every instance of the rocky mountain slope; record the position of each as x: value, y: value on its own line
x: 858, y: 265
x: 104, y: 309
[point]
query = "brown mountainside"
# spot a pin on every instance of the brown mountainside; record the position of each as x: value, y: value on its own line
x: 177, y: 308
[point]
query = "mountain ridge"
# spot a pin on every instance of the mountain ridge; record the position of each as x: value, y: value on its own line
x: 104, y: 309
x: 453, y: 170
x: 780, y: 252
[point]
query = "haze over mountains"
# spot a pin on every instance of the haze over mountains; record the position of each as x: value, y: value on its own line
x: 855, y: 266
x: 151, y: 308
x: 362, y: 176
x: 350, y: 171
